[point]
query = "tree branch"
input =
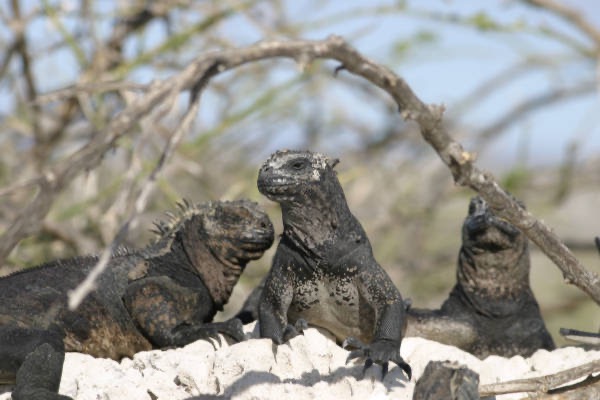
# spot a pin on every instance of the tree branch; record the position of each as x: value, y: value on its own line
x: 429, y: 118
x: 77, y: 295
x: 570, y: 15
x: 542, y: 384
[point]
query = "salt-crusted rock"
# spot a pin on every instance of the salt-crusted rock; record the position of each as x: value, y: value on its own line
x: 309, y: 366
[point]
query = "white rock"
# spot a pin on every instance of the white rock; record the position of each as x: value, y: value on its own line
x: 309, y: 366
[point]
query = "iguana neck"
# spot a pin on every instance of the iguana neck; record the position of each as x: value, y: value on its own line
x: 320, y: 221
x: 491, y: 282
x: 218, y: 274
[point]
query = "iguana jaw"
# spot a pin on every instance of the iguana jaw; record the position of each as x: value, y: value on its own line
x: 484, y: 232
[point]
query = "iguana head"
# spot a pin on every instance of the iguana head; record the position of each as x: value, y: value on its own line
x: 219, y: 238
x: 316, y: 216
x: 493, y: 268
x: 484, y: 231
x: 295, y: 176
x: 237, y: 231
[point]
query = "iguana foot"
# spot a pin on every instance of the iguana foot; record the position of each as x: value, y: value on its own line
x: 380, y: 351
x: 184, y: 335
x: 292, y: 331
x: 38, y: 394
x: 232, y: 328
x: 187, y: 334
x: 38, y: 378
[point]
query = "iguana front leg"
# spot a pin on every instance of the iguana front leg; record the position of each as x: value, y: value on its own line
x: 384, y: 347
x: 275, y: 300
x: 376, y: 286
x: 169, y: 314
x: 34, y: 357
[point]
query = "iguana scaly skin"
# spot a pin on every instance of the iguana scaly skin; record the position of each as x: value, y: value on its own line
x: 491, y: 309
x: 324, y: 272
x: 163, y: 295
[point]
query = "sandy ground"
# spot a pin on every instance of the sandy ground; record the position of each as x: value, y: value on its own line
x: 309, y: 366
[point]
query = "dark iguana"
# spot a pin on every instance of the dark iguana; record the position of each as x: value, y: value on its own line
x: 491, y: 309
x: 323, y: 271
x: 162, y: 295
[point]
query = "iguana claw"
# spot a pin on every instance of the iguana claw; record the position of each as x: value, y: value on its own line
x: 292, y: 331
x: 232, y: 328
x: 379, y: 351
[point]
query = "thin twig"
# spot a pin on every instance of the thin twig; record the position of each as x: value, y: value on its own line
x: 540, y: 384
x: 19, y: 186
x: 77, y: 295
x: 570, y: 15
x: 89, y: 88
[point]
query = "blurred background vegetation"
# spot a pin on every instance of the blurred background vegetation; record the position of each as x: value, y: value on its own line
x: 518, y: 79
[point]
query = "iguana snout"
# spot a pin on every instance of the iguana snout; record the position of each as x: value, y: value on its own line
x: 483, y: 230
x: 240, y: 230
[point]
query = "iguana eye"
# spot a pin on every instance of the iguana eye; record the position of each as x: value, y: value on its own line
x: 298, y: 164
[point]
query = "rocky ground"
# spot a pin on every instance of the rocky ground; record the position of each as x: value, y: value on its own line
x: 310, y: 366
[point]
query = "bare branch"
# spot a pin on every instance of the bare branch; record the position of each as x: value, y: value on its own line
x: 106, y: 57
x: 88, y: 88
x: 8, y: 54
x: 541, y: 384
x: 429, y: 118
x: 570, y: 15
x: 77, y: 295
x: 54, y: 179
x: 21, y: 47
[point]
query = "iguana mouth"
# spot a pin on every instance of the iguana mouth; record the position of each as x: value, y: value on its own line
x: 274, y: 186
x: 259, y: 237
x: 490, y: 233
x: 255, y: 245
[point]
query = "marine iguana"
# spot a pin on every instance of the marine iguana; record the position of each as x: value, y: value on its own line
x: 491, y: 309
x: 163, y: 295
x: 323, y: 271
